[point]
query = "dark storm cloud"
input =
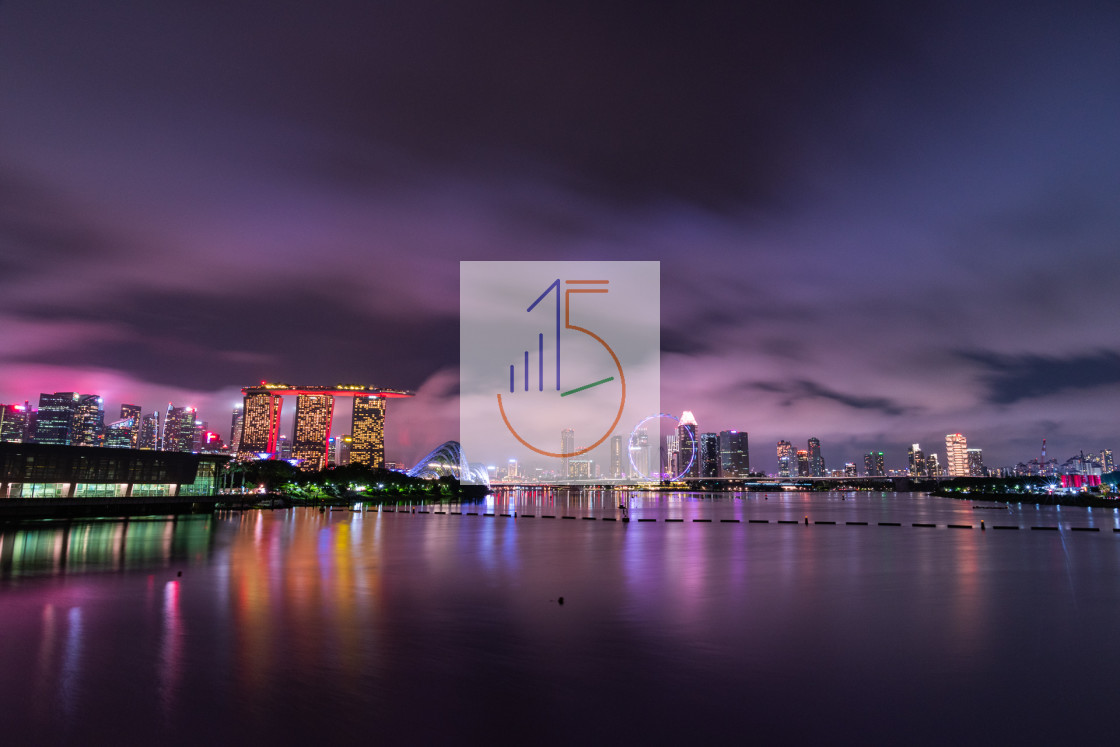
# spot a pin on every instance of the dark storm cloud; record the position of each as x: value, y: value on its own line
x: 39, y: 228
x: 1013, y: 378
x: 629, y: 104
x: 801, y: 389
x: 201, y: 194
x: 195, y: 339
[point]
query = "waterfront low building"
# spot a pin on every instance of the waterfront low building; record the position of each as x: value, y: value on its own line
x: 49, y: 471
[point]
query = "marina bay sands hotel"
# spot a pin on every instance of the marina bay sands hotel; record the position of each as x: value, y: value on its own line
x: 314, y: 411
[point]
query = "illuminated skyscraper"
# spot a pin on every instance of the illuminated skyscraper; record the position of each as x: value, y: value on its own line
x: 567, y: 446
x: 933, y: 467
x: 312, y: 429
x: 149, y: 431
x: 956, y: 454
x: 343, y: 457
x: 917, y: 460
x: 132, y: 412
x: 261, y: 425
x: 618, y: 466
x: 1107, y: 465
x: 13, y: 423
x: 849, y: 469
x: 580, y: 469
x: 689, y: 445
x: 785, y: 459
x: 873, y: 464
x: 816, y: 461
x: 709, y: 455
x: 368, y: 432
x: 118, y: 434
x: 639, y: 454
x: 734, y: 454
x: 178, y: 428
x: 976, y: 463
x: 803, y: 463
x: 89, y: 423
x: 57, y: 418
x: 237, y: 424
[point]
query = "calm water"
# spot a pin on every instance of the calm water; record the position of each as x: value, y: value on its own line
x: 287, y: 626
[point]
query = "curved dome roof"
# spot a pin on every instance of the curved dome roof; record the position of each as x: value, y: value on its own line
x: 447, y: 459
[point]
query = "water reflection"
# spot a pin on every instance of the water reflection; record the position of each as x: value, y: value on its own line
x: 171, y: 649
x: 296, y: 624
x: 56, y: 547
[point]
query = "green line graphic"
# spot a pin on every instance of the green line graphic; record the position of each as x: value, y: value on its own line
x: 586, y: 386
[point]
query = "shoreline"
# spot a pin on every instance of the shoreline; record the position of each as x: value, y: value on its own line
x: 1033, y: 498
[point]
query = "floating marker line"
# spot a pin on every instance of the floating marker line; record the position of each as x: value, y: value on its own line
x: 674, y: 520
x: 586, y: 386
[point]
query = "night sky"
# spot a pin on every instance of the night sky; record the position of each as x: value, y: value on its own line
x: 878, y: 222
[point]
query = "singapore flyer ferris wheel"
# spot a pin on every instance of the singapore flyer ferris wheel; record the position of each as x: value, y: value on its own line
x: 638, y: 450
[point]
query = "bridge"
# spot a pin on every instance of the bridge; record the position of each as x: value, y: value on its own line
x: 895, y: 484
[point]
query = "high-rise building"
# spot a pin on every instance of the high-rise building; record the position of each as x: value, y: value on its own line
x: 132, y: 412
x: 689, y: 445
x: 580, y: 469
x: 618, y: 469
x: 873, y: 464
x: 198, y: 436
x: 89, y: 423
x: 933, y: 468
x: 803, y: 463
x: 849, y: 469
x: 816, y: 461
x: 956, y: 454
x: 178, y: 428
x: 639, y: 454
x: 512, y: 468
x: 917, y: 459
x: 13, y: 423
x: 283, y: 449
x: 734, y: 454
x: 149, y: 431
x: 1107, y: 465
x: 367, y: 429
x: 235, y: 428
x: 57, y: 418
x: 312, y: 430
x: 567, y: 446
x: 709, y: 455
x: 118, y: 434
x: 211, y: 443
x: 344, y: 442
x: 671, y: 462
x: 261, y: 424
x: 976, y: 463
x: 785, y: 459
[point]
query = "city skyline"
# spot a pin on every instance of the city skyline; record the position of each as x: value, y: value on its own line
x: 269, y: 428
x: 876, y: 229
